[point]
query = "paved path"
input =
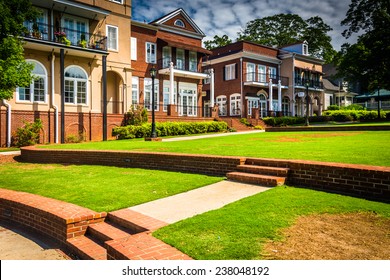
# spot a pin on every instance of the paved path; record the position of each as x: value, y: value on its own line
x: 209, y: 135
x: 191, y: 203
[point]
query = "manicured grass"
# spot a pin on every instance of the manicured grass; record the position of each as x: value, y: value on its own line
x: 100, y: 188
x: 359, y: 147
x: 239, y: 230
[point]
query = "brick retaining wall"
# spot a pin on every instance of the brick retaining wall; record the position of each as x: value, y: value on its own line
x: 328, y: 128
x: 56, y: 219
x: 371, y: 182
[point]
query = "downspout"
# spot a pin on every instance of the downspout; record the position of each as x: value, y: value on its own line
x: 6, y: 104
x: 52, y: 100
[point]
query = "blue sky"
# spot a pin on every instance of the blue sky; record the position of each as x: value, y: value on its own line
x: 219, y: 17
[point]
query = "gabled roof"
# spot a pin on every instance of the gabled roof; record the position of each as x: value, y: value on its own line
x: 162, y: 23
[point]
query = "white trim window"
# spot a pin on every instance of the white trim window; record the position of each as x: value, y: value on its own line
x: 180, y: 59
x: 134, y: 90
x: 272, y: 73
x: 112, y: 37
x: 250, y: 72
x: 39, y: 28
x: 166, y: 95
x: 133, y: 48
x: 75, y: 28
x: 151, y: 52
x: 76, y: 85
x: 148, y: 94
x: 37, y: 90
x: 188, y: 99
x: 179, y: 23
x: 221, y: 101
x: 117, y: 1
x: 207, y: 80
x: 261, y: 72
x: 193, y: 62
x: 235, y: 104
x: 167, y: 56
x: 230, y: 72
x: 286, y: 106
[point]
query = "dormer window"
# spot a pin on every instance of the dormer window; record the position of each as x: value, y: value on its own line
x: 179, y: 23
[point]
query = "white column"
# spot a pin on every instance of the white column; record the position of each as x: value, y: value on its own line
x: 280, y: 95
x: 292, y: 106
x: 212, y: 88
x: 171, y: 84
x: 270, y: 96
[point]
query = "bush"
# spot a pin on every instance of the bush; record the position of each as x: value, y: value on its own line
x: 283, y: 121
x: 333, y: 108
x: 353, y: 107
x: 168, y: 129
x: 137, y: 115
x: 245, y: 121
x: 28, y: 134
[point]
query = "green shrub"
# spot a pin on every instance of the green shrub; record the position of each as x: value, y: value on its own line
x: 245, y: 121
x: 28, y: 134
x: 353, y: 107
x: 137, y: 115
x: 168, y: 129
x: 283, y: 121
x: 333, y: 108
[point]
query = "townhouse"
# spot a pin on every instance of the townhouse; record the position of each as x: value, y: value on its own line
x: 247, y: 77
x: 304, y: 73
x: 172, y: 45
x: 255, y: 81
x: 81, y: 56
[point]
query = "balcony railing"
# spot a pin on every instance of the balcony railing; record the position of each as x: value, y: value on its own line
x: 264, y: 78
x: 312, y: 83
x: 179, y: 64
x: 66, y: 36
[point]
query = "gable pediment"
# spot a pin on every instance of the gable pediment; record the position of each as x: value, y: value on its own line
x: 179, y: 21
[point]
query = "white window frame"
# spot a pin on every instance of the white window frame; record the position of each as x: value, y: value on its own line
x: 250, y: 72
x: 179, y: 23
x: 230, y: 72
x: 262, y: 72
x: 134, y: 90
x: 74, y: 32
x: 180, y: 59
x: 235, y: 103
x: 32, y: 85
x: 148, y: 93
x: 151, y: 52
x: 273, y: 74
x: 117, y: 1
x: 166, y: 94
x: 75, y: 86
x: 167, y: 56
x: 133, y: 48
x: 193, y: 59
x: 207, y: 80
x: 109, y: 38
x: 221, y: 100
x: 188, y: 92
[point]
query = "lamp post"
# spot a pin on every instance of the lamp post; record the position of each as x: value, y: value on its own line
x: 153, y: 76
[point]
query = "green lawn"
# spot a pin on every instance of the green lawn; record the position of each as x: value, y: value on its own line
x: 239, y: 230
x: 100, y: 188
x: 359, y: 147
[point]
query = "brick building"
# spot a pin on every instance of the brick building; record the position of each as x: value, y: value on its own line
x: 173, y: 45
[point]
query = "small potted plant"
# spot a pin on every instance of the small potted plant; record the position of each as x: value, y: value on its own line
x: 82, y: 42
x: 35, y: 31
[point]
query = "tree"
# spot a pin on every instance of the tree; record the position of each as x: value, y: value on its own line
x: 284, y: 29
x: 14, y: 70
x: 367, y: 61
x: 217, y: 42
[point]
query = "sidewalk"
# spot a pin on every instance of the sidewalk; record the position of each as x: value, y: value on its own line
x: 210, y: 135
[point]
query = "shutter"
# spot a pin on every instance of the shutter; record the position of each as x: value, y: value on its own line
x: 224, y: 73
x: 236, y: 69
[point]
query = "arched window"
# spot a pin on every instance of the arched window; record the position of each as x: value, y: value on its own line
x: 179, y: 23
x: 263, y: 105
x: 221, y: 101
x: 37, y: 90
x: 235, y: 104
x: 76, y: 81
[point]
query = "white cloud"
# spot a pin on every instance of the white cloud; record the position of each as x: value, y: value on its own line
x: 219, y: 17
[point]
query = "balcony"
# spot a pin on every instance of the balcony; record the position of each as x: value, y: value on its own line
x: 313, y: 84
x: 262, y: 80
x: 44, y: 34
x: 182, y: 69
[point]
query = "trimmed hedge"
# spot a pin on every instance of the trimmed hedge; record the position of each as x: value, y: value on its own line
x: 168, y: 129
x: 332, y: 115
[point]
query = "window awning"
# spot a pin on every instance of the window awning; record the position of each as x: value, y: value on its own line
x: 184, y: 46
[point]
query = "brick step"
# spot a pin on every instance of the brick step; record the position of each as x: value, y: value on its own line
x: 103, y: 232
x: 86, y: 248
x: 257, y: 179
x: 263, y: 170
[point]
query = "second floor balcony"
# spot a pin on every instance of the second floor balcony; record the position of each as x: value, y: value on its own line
x: 262, y: 79
x: 312, y: 83
x: 45, y: 33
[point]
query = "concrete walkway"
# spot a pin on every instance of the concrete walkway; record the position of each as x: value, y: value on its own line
x: 195, y: 137
x: 185, y: 205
